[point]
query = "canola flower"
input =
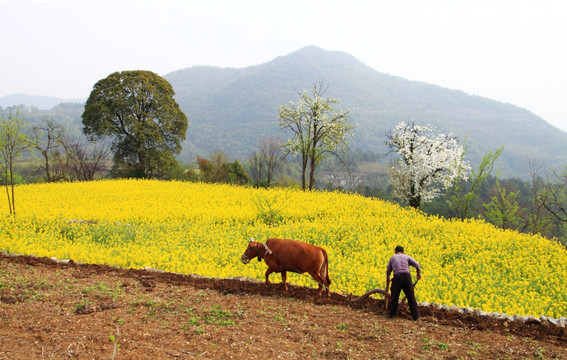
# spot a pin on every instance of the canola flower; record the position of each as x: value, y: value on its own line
x: 196, y: 228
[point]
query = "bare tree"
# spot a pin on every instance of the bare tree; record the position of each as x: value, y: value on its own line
x: 272, y: 149
x: 538, y: 221
x: 267, y: 162
x: 86, y: 161
x: 555, y: 195
x: 257, y: 168
x: 47, y: 138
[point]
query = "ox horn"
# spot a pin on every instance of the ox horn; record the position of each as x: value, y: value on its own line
x: 251, y: 239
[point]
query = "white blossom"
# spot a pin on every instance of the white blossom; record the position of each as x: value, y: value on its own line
x: 427, y: 162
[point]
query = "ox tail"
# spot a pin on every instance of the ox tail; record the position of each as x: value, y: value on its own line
x: 325, y: 269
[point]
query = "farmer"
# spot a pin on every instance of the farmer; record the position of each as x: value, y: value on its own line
x: 399, y: 263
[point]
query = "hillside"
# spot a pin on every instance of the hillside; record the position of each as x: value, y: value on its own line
x: 197, y: 228
x: 67, y: 310
x: 230, y: 109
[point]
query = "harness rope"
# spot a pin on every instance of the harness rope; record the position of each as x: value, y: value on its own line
x: 360, y: 298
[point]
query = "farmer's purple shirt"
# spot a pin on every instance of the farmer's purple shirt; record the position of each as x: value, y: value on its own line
x: 400, y: 263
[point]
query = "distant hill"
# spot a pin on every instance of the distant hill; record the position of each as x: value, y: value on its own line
x: 230, y: 109
x: 41, y: 102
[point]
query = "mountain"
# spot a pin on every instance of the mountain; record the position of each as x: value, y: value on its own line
x: 41, y: 102
x: 229, y: 109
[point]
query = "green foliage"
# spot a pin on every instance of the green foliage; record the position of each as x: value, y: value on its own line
x: 270, y: 209
x: 236, y: 174
x: 14, y: 142
x: 136, y: 109
x: 114, y: 340
x: 502, y: 210
x: 460, y: 198
x: 217, y: 169
x: 232, y: 108
x: 219, y: 317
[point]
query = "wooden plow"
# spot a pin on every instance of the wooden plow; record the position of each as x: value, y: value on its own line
x: 386, y: 294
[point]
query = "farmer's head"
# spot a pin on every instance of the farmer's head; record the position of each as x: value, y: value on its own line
x: 399, y: 249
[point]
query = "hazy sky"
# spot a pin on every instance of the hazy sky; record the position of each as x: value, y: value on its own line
x: 513, y: 51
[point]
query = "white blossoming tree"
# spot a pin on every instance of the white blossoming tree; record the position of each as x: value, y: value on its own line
x: 318, y: 128
x: 427, y: 162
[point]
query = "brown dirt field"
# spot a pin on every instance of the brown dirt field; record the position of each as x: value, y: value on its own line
x: 58, y: 310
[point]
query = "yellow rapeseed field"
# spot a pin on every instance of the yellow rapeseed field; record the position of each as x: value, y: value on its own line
x: 203, y: 229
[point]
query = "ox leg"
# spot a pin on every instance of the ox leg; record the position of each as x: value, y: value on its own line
x: 268, y: 272
x: 327, y: 285
x: 324, y: 274
x: 320, y: 281
x: 284, y: 280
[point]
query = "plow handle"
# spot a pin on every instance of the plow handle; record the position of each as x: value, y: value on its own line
x: 387, y: 298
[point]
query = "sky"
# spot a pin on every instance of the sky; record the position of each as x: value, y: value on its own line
x: 512, y: 51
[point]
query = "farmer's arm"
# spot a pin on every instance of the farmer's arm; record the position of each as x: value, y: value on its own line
x: 389, y: 270
x: 415, y: 264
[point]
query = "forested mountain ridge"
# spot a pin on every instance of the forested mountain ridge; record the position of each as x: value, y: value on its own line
x: 229, y: 109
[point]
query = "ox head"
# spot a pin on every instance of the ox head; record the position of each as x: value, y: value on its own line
x: 252, y: 251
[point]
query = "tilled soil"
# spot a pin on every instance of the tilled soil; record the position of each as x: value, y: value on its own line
x: 66, y: 310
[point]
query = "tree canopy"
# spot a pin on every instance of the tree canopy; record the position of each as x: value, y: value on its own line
x: 427, y: 162
x: 317, y: 127
x: 138, y: 112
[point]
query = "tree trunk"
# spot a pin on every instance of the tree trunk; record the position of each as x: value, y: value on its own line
x: 141, y: 166
x: 415, y: 202
x: 312, y: 174
x: 8, y: 192
x: 47, y: 170
x: 12, y: 184
x: 414, y: 199
x: 303, y: 171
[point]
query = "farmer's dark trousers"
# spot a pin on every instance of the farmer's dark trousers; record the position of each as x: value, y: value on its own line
x: 403, y: 282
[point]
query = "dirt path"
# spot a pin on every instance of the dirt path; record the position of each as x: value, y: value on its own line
x: 55, y: 310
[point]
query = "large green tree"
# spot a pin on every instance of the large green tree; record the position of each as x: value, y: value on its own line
x: 137, y: 110
x: 318, y: 128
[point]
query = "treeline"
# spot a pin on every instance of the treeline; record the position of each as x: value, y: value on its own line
x: 536, y: 205
x: 57, y: 150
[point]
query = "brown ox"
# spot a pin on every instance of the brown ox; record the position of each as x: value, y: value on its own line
x: 282, y: 255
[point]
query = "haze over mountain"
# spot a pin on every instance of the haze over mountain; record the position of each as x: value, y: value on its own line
x: 230, y: 109
x: 41, y: 102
